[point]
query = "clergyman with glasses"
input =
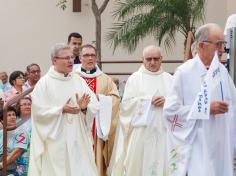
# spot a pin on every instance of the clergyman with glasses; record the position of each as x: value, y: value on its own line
x: 141, y: 142
x: 200, y: 111
x: 104, y: 126
x: 63, y: 108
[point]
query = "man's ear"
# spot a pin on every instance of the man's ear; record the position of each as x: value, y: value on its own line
x: 200, y: 45
x: 53, y: 61
x: 161, y: 58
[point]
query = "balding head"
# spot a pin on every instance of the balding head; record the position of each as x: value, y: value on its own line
x: 152, y: 58
x: 209, y: 38
x: 151, y: 47
x: 202, y: 33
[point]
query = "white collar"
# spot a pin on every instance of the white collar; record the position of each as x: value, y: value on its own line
x: 95, y: 74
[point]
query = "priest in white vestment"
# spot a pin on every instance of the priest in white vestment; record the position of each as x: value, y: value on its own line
x: 140, y: 144
x: 63, y: 108
x: 200, y: 111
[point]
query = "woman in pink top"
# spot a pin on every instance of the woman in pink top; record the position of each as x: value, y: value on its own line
x: 17, y: 80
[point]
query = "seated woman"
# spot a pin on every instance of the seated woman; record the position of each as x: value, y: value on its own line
x: 14, y: 149
x: 24, y: 111
x: 17, y: 80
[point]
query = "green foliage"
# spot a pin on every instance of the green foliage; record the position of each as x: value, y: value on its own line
x: 162, y: 19
x: 62, y: 4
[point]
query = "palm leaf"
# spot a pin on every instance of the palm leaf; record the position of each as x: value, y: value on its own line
x: 162, y: 19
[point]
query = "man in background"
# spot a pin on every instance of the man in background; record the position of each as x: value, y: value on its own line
x: 6, y: 85
x: 75, y: 42
x: 33, y: 73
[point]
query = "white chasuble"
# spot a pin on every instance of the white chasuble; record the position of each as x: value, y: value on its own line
x: 140, y: 147
x: 61, y: 144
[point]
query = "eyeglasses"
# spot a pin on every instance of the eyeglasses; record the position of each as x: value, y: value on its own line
x: 66, y: 58
x: 218, y: 43
x: 149, y: 59
x: 35, y: 71
x: 89, y: 55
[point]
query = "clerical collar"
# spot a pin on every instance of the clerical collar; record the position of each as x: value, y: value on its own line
x: 89, y: 71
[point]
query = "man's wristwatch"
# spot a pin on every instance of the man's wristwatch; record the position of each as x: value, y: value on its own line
x: 84, y: 110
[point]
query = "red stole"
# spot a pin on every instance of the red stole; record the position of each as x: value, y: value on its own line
x: 92, y: 83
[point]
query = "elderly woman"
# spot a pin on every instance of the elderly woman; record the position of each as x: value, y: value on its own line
x: 24, y: 111
x: 17, y: 80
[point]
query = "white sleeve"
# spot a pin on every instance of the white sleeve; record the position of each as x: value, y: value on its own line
x: 175, y: 112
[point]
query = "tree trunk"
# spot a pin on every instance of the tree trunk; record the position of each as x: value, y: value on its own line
x: 187, y: 46
x: 97, y: 14
x: 98, y: 39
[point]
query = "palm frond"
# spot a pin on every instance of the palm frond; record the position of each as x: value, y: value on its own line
x: 129, y: 32
x: 62, y: 4
x: 131, y: 7
x: 162, y: 19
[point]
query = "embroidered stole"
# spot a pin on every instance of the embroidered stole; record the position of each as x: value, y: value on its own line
x: 92, y: 83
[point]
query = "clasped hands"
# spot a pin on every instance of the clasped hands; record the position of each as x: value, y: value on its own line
x: 82, y: 103
x: 158, y: 101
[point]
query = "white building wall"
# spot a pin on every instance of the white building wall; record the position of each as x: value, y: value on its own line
x: 30, y: 27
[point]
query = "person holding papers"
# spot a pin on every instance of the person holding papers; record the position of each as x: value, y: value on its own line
x: 200, y: 111
x: 140, y: 147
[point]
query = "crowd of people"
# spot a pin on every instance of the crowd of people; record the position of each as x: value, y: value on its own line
x: 74, y: 123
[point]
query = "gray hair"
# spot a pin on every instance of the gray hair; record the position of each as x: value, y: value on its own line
x: 202, y: 32
x: 55, y: 50
x: 151, y: 47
